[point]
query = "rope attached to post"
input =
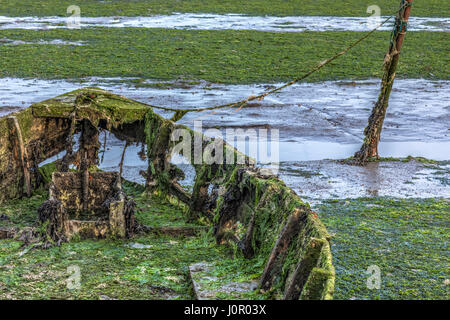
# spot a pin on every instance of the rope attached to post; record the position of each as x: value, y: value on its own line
x: 400, y: 23
x: 180, y: 113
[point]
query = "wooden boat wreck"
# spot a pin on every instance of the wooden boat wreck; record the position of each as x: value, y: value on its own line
x: 247, y: 208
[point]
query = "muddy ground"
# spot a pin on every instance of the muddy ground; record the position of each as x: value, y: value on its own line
x: 326, y: 179
x: 331, y: 111
x: 205, y: 21
x: 316, y: 121
x: 392, y: 213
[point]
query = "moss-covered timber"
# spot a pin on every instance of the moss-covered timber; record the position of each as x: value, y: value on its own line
x: 248, y: 208
x: 268, y: 219
x: 45, y: 127
x: 42, y: 138
x: 109, y: 213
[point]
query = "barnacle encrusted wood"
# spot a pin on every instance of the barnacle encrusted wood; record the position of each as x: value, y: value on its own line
x: 246, y: 207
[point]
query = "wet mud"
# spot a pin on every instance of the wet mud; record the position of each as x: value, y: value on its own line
x: 205, y: 21
x: 316, y: 121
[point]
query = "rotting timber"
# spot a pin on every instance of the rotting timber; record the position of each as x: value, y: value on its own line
x: 246, y: 207
x: 372, y: 133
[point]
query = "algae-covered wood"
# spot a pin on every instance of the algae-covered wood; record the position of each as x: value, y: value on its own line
x: 247, y: 208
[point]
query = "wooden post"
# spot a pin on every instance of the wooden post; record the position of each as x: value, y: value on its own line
x: 22, y: 153
x: 84, y: 165
x: 89, y: 147
x: 372, y: 132
x: 122, y: 160
x: 68, y: 157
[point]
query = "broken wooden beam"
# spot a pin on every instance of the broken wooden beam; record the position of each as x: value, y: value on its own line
x: 177, y: 190
x: 89, y: 146
x: 85, y: 184
x: 122, y: 159
x: 68, y: 157
x: 245, y: 244
x: 17, y: 140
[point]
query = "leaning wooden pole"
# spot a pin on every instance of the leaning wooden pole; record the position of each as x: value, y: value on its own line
x: 372, y: 133
x: 122, y: 159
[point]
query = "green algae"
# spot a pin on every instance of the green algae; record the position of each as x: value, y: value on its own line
x: 93, y: 104
x: 46, y: 172
x: 253, y: 7
x: 406, y: 238
x: 225, y: 56
x: 23, y: 212
x: 114, y: 269
x: 108, y: 268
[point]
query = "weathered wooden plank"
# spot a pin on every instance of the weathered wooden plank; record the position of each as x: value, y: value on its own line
x: 316, y: 286
x: 304, y: 268
x: 17, y: 142
x: 280, y: 250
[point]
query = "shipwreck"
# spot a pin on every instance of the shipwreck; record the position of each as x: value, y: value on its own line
x: 245, y: 207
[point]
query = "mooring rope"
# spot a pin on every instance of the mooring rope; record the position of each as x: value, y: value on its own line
x: 179, y: 113
x: 400, y: 23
